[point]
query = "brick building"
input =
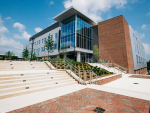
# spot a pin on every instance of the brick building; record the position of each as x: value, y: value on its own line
x: 116, y: 40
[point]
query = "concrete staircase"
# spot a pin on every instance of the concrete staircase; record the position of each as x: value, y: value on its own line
x: 22, y: 65
x: 110, y: 69
x: 24, y: 83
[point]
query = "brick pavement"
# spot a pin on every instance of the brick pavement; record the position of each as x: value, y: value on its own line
x: 86, y: 100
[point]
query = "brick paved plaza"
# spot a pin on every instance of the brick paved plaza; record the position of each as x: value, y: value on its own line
x: 86, y: 100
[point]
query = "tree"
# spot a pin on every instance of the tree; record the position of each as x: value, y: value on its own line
x: 25, y: 53
x: 96, y: 51
x: 148, y: 65
x: 34, y: 56
x: 49, y: 44
x: 63, y: 49
x: 9, y: 55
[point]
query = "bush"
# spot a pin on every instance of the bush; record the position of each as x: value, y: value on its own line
x: 82, y: 73
x: 88, y: 76
x: 58, y: 67
x: 62, y: 67
x: 87, y: 73
x: 68, y: 67
x: 148, y: 73
x: 93, y: 75
x: 77, y: 74
x: 82, y: 77
x: 41, y: 60
x: 111, y: 72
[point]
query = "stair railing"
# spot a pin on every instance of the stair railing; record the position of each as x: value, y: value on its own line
x: 82, y: 74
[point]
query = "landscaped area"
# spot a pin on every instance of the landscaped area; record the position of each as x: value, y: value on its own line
x: 80, y: 69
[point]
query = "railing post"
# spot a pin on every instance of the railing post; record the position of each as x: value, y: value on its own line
x: 70, y: 69
x: 90, y: 77
x: 85, y: 77
x: 80, y: 76
x: 56, y: 64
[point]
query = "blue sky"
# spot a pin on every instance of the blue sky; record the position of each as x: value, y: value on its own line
x: 20, y: 19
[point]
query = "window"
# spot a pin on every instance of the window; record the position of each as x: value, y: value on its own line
x: 137, y: 58
x: 42, y: 40
x: 39, y: 41
x: 35, y: 43
x: 51, y: 36
x: 55, y: 35
x: 41, y: 49
x: 55, y: 46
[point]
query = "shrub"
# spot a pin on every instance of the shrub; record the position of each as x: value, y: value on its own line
x: 148, y: 73
x: 87, y: 73
x: 77, y: 74
x: 41, y: 60
x: 58, y: 67
x: 111, y: 72
x: 82, y: 77
x: 68, y: 67
x: 82, y: 73
x: 62, y: 67
x: 88, y: 76
x: 93, y: 75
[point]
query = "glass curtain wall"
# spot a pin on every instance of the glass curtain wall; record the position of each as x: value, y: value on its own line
x: 68, y: 32
x: 84, y: 34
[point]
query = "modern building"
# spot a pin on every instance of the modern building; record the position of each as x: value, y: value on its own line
x: 116, y: 40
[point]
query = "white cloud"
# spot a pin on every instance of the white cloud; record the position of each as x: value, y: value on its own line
x: 51, y: 2
x: 20, y: 26
x: 148, y: 14
x: 3, y: 29
x: 8, y: 18
x: 133, y: 1
x: 140, y: 35
x: 95, y: 8
x: 143, y: 26
x: 147, y: 48
x: 24, y: 35
x: 38, y: 29
x: 8, y: 44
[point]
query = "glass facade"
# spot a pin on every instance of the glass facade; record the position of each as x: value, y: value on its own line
x: 84, y: 34
x: 68, y: 32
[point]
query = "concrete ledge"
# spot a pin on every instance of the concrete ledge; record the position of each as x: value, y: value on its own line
x: 104, y: 80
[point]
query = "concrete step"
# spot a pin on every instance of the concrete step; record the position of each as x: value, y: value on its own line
x: 20, y: 88
x: 25, y: 82
x: 27, y: 91
x: 31, y: 76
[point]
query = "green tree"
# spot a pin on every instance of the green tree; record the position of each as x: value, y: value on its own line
x: 9, y: 55
x: 148, y: 65
x: 96, y: 52
x: 34, y: 56
x: 25, y: 53
x: 49, y: 44
x: 63, y: 49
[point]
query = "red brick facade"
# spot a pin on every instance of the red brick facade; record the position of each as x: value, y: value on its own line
x: 114, y: 42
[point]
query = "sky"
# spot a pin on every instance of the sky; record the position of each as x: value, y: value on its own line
x: 21, y: 19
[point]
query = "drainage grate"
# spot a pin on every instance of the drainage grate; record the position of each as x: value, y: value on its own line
x: 135, y: 83
x: 33, y: 67
x: 51, y: 77
x: 27, y: 87
x: 24, y: 80
x: 99, y: 110
x: 11, y: 64
x: 47, y: 72
x: 21, y: 74
x: 31, y: 64
x: 56, y: 82
x: 12, y: 68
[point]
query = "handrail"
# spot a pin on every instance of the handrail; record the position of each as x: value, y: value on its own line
x: 77, y: 70
x: 122, y: 69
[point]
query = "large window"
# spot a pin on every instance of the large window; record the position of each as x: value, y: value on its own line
x: 68, y: 32
x: 84, y: 34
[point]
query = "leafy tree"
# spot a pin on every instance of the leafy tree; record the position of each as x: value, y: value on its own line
x: 34, y: 56
x: 9, y: 55
x: 96, y: 51
x: 63, y: 49
x: 1, y: 58
x: 49, y: 44
x: 25, y: 53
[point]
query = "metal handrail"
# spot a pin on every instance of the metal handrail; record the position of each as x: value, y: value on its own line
x: 77, y: 70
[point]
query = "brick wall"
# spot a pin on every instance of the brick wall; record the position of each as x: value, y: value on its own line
x: 114, y: 42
